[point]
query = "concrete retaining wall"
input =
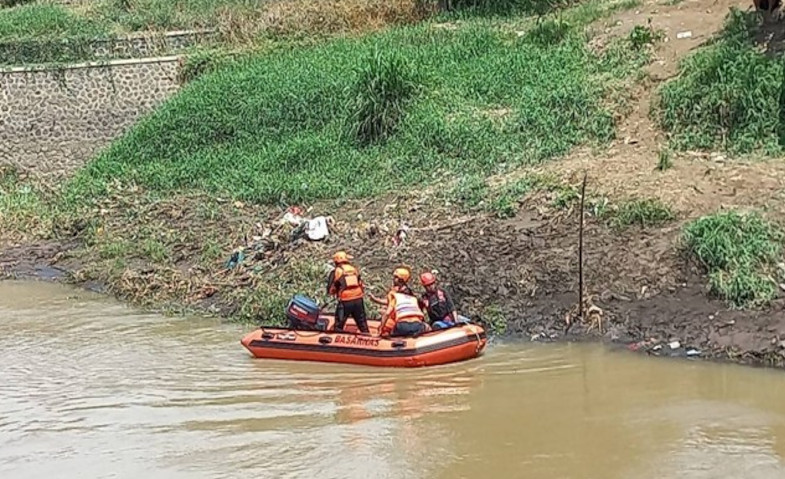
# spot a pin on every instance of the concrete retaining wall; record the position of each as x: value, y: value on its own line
x: 53, y: 121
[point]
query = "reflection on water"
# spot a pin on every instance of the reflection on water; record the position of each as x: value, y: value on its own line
x: 93, y: 389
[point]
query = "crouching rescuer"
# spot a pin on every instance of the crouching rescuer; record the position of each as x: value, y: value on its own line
x: 441, y: 310
x: 345, y: 283
x: 403, y: 316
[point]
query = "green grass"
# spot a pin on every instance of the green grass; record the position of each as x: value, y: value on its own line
x: 35, y: 20
x: 266, y: 303
x: 472, y: 193
x: 273, y: 127
x: 134, y: 15
x: 727, y: 95
x: 665, y: 161
x: 740, y: 253
x: 23, y: 207
x: 641, y: 212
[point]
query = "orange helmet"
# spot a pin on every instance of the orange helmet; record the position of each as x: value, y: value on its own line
x: 341, y: 257
x: 403, y: 274
x: 427, y: 278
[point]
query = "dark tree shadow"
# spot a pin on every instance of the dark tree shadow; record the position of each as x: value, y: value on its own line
x: 769, y: 31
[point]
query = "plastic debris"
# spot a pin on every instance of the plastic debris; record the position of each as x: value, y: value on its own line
x: 674, y: 345
x: 316, y: 229
x: 686, y: 34
x: 237, y: 257
x: 693, y: 352
x: 400, y: 235
x: 292, y: 219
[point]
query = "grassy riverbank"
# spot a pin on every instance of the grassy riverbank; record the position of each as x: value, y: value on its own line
x: 469, y: 133
x: 361, y: 117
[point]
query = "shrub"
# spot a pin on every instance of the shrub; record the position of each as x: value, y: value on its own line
x: 384, y: 86
x: 726, y: 96
x: 738, y: 251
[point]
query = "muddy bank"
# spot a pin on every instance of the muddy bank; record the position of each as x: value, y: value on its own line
x: 519, y: 275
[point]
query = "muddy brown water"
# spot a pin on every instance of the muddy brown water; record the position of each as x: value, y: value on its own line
x: 92, y: 389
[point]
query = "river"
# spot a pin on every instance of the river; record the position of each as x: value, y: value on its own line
x: 93, y: 389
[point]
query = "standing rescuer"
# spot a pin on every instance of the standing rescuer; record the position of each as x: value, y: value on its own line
x: 345, y: 283
x: 403, y: 316
x: 441, y: 310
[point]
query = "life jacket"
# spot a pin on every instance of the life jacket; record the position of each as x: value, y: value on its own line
x: 349, y: 286
x: 439, y: 305
x: 407, y: 308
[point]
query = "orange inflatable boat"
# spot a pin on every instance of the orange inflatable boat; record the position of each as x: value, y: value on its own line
x: 310, y: 338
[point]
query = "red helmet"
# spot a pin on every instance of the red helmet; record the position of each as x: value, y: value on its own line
x: 427, y: 279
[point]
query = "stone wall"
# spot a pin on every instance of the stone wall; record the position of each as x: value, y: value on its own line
x: 53, y: 121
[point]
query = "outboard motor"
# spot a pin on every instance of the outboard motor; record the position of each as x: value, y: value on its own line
x: 303, y: 314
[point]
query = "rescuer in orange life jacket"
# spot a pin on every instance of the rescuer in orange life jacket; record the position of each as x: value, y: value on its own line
x: 345, y: 283
x: 404, y: 316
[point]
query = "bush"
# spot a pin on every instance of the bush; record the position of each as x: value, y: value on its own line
x: 377, y: 101
x: 726, y: 96
x: 738, y: 251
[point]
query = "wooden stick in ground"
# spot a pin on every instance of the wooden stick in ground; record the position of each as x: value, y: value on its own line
x: 580, y: 250
x: 580, y: 256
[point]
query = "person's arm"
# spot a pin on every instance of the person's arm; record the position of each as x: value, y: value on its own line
x: 383, y: 330
x: 422, y: 302
x: 450, y: 306
x: 378, y: 301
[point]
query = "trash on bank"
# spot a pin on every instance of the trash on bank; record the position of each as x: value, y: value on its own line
x: 693, y: 352
x: 400, y: 235
x: 315, y: 229
x: 674, y: 345
x: 237, y: 258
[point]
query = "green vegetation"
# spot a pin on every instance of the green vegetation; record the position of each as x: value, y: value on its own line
x: 22, y: 207
x: 494, y: 319
x: 34, y: 20
x: 727, y: 95
x: 383, y: 89
x: 43, y: 20
x: 472, y: 193
x: 665, y: 160
x: 641, y: 36
x: 740, y: 252
x: 643, y: 212
x: 266, y: 303
x: 228, y: 135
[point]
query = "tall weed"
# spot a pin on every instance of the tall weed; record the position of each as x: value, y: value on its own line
x: 384, y: 86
